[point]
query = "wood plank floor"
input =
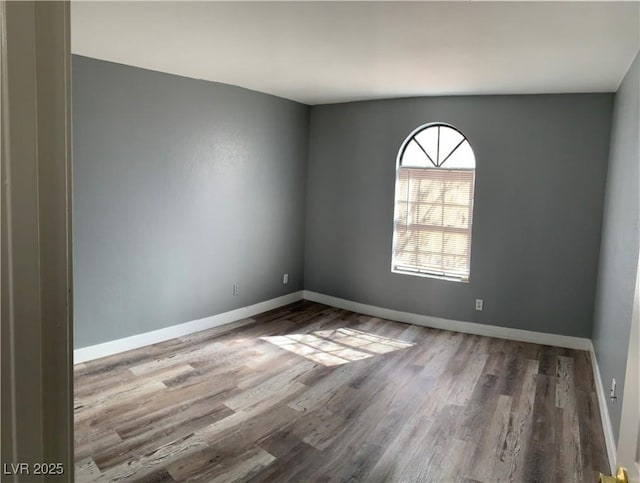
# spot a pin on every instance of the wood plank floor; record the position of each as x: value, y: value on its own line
x: 309, y: 392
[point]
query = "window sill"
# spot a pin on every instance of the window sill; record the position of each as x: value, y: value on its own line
x: 430, y: 275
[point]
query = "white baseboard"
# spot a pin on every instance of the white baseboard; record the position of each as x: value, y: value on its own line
x: 609, y: 438
x: 454, y: 325
x: 140, y: 340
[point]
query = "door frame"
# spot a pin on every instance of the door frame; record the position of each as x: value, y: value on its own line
x: 628, y: 451
x: 35, y: 239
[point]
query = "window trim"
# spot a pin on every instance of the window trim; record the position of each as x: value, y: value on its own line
x: 423, y: 272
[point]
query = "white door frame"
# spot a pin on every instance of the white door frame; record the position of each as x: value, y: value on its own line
x: 35, y: 243
x: 628, y: 453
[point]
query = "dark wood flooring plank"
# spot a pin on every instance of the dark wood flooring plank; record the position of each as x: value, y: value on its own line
x: 539, y: 463
x: 295, y: 460
x: 509, y: 465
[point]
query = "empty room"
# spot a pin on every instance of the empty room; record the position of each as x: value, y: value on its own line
x: 252, y: 164
x: 330, y: 241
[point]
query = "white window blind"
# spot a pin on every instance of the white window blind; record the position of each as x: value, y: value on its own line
x: 434, y: 209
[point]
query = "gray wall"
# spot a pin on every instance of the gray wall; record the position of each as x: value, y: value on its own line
x: 620, y: 245
x: 541, y: 165
x: 184, y: 187
x: 181, y: 188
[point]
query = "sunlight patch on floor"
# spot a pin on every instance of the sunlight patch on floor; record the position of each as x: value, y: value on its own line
x: 337, y: 346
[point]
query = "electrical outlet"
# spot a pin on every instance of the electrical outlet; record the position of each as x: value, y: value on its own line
x: 612, y: 392
x: 479, y: 304
x: 285, y: 279
x: 236, y: 289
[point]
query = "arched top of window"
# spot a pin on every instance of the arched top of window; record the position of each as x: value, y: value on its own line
x: 436, y: 146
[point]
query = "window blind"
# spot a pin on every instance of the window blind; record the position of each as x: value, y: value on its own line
x: 433, y: 211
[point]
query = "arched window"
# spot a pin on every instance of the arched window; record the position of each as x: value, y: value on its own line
x: 435, y: 178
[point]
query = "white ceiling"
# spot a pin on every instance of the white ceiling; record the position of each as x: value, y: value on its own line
x: 324, y: 52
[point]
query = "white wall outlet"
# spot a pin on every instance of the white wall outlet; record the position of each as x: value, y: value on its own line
x: 612, y: 391
x: 236, y: 289
x: 479, y: 304
x: 285, y: 279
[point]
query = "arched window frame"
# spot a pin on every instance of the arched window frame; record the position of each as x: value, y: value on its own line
x: 441, y: 249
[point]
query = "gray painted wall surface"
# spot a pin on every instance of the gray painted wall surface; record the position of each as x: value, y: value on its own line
x: 541, y: 166
x: 181, y: 188
x: 620, y: 241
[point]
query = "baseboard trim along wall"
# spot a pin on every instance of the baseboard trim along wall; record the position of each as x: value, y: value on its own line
x: 607, y: 428
x: 140, y: 340
x: 453, y: 325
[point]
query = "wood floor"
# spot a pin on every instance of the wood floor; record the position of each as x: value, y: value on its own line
x: 313, y: 393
